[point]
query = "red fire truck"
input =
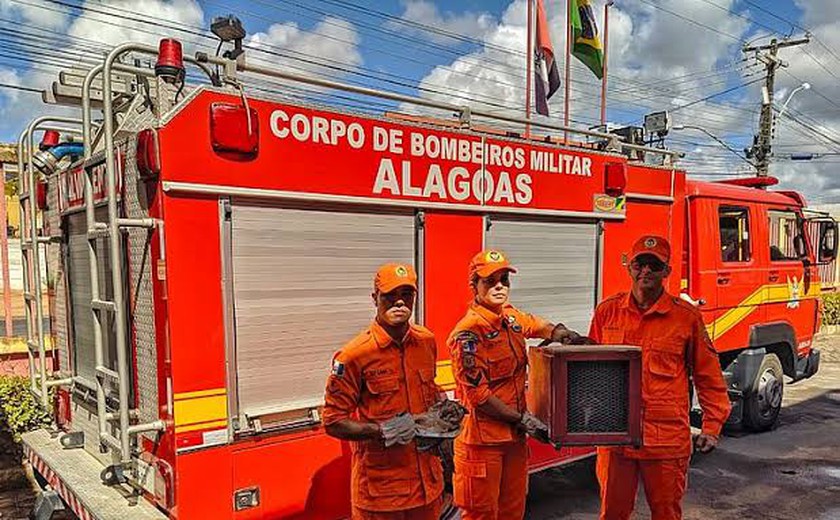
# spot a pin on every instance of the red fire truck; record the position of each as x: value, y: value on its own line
x: 210, y: 246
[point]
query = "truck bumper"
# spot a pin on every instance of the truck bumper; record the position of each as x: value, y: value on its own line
x: 75, y: 476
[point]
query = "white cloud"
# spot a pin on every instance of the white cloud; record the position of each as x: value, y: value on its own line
x: 817, y: 12
x: 87, y: 34
x: 121, y: 27
x: 648, y: 47
x: 816, y: 127
x: 424, y: 12
x: 658, y: 61
x: 48, y: 15
x: 18, y: 108
x: 332, y: 42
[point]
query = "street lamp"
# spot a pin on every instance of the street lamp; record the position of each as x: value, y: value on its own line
x: 804, y: 86
x: 716, y: 138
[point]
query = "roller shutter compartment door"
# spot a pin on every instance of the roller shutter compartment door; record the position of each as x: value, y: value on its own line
x: 557, y: 264
x: 78, y: 275
x: 302, y: 284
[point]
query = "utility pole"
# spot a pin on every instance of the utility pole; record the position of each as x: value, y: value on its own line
x: 762, y: 143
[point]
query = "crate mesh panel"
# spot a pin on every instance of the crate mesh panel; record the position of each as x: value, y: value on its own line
x: 598, y: 393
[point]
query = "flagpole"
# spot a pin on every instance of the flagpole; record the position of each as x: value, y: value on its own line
x: 529, y: 75
x: 568, y: 71
x: 607, y: 6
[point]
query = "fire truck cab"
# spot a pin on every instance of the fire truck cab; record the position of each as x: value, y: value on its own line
x: 750, y: 268
x: 210, y: 246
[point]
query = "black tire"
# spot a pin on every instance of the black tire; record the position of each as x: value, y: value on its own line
x: 764, y: 402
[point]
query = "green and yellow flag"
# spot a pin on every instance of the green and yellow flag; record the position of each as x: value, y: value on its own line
x: 587, y: 43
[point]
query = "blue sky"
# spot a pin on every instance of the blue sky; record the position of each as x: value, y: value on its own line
x: 665, y: 54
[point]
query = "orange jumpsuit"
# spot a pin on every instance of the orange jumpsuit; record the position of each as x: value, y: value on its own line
x: 675, y: 345
x: 490, y: 358
x: 372, y: 380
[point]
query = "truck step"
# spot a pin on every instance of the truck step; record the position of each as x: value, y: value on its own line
x: 75, y: 474
x: 107, y: 372
x: 100, y: 229
x: 136, y: 222
x: 104, y: 305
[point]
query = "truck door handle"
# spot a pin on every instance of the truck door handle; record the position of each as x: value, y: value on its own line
x: 773, y: 276
x: 723, y: 280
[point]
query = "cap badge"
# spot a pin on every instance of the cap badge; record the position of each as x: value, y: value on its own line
x: 650, y: 243
x: 401, y: 271
x: 495, y: 256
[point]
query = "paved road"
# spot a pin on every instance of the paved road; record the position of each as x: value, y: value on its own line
x: 791, y: 472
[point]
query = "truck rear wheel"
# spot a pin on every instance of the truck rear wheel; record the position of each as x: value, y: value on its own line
x: 763, y: 404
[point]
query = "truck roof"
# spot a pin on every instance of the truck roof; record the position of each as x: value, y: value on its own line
x: 720, y: 190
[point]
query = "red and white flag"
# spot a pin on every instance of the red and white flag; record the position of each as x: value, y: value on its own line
x: 546, y: 75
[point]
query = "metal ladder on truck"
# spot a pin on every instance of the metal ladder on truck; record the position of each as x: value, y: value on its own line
x: 30, y: 241
x: 105, y: 378
x: 111, y: 230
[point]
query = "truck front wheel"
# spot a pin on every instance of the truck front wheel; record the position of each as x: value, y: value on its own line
x: 763, y: 404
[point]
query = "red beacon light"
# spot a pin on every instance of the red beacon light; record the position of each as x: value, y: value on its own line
x: 170, y: 62
x: 50, y: 139
x: 615, y: 179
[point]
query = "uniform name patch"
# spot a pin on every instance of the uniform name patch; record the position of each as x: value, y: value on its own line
x: 377, y: 372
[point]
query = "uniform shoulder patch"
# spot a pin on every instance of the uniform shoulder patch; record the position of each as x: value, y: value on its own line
x: 337, y: 368
x: 467, y: 341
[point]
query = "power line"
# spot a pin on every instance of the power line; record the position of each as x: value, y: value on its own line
x: 204, y: 35
x: 21, y: 88
x: 693, y: 22
x: 267, y: 51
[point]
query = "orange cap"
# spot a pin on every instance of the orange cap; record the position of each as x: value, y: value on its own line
x: 488, y: 262
x: 652, y: 245
x: 390, y: 276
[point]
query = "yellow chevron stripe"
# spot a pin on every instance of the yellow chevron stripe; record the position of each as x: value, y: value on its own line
x: 194, y: 408
x: 200, y: 393
x: 772, y: 293
x: 201, y: 426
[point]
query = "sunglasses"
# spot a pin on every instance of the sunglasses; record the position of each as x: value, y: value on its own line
x: 495, y: 278
x: 655, y: 265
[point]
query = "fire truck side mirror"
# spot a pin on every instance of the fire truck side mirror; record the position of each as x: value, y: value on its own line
x: 828, y: 241
x: 234, y: 131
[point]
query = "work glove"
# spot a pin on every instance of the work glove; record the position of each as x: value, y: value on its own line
x: 534, y: 427
x: 704, y: 443
x: 399, y: 430
x: 561, y: 334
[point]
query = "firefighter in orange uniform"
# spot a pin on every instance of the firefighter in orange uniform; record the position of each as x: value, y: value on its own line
x: 490, y: 359
x: 674, y: 345
x: 379, y: 380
